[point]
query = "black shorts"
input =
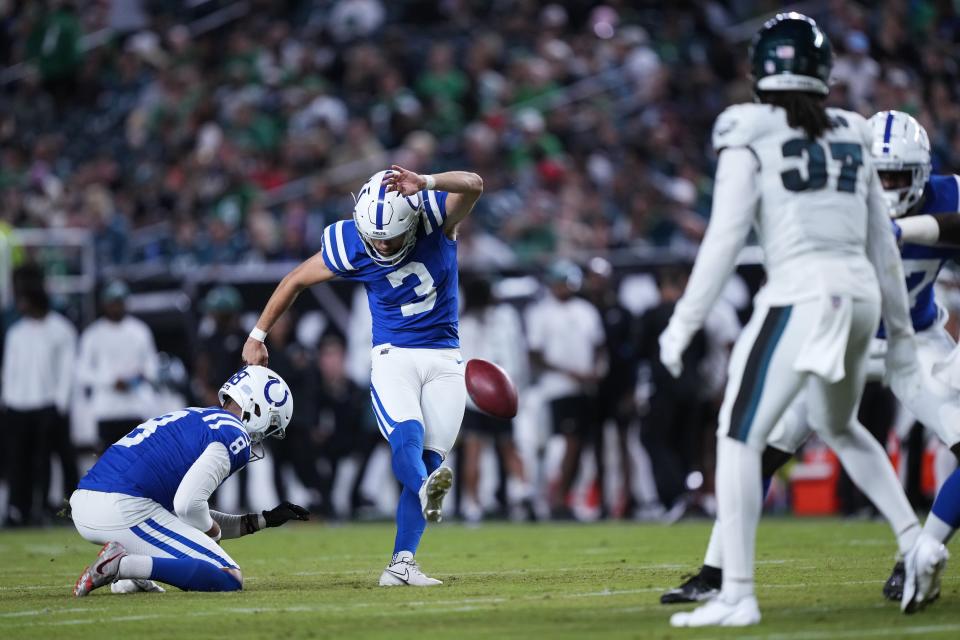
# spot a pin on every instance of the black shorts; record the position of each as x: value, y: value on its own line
x: 482, y: 424
x: 572, y: 415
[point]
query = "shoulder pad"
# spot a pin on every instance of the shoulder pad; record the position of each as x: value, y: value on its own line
x: 942, y: 194
x: 740, y: 124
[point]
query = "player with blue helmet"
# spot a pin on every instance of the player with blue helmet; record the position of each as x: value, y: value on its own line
x: 402, y: 245
x: 925, y: 210
x: 146, y: 498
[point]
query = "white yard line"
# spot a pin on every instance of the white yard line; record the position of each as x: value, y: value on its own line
x: 97, y: 614
x: 859, y: 633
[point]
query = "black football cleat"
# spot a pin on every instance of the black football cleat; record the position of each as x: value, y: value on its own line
x: 893, y: 588
x: 701, y: 586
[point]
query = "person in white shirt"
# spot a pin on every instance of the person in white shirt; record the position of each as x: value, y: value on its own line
x: 38, y: 359
x: 117, y: 366
x: 492, y: 331
x: 566, y: 338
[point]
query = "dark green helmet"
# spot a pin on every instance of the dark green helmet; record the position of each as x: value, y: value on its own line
x: 791, y: 53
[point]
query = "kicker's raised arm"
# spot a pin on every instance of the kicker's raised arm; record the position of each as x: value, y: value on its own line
x: 464, y: 189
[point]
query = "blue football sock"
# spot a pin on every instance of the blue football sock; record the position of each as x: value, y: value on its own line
x: 766, y: 486
x: 410, y: 521
x: 431, y: 461
x: 406, y: 443
x: 191, y: 574
x: 947, y: 504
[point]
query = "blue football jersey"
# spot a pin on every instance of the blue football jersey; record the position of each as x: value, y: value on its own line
x: 413, y: 303
x: 922, y: 264
x: 151, y: 460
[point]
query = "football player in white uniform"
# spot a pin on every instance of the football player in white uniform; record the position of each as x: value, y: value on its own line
x: 801, y: 175
x: 401, y: 244
x: 925, y: 211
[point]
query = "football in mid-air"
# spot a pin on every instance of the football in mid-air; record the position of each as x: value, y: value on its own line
x: 491, y: 389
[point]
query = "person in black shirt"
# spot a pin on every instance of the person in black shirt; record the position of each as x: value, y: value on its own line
x: 615, y: 392
x: 219, y: 353
x: 294, y: 364
x: 345, y: 426
x: 670, y: 431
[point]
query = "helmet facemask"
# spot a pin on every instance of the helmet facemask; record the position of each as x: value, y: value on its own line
x: 409, y: 239
x: 901, y: 199
x: 262, y: 413
x: 901, y: 156
x: 382, y: 215
x: 275, y: 429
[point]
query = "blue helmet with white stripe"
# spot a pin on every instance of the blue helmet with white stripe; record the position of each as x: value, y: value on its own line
x: 901, y: 154
x: 383, y: 215
x: 266, y: 404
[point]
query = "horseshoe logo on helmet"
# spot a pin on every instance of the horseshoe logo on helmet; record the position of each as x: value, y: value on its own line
x: 266, y: 393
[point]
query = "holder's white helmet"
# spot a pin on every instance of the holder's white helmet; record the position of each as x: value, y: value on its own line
x: 900, y: 144
x: 382, y: 215
x: 266, y: 404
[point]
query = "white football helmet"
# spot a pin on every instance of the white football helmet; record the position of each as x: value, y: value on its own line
x: 900, y: 144
x: 266, y: 404
x: 382, y: 215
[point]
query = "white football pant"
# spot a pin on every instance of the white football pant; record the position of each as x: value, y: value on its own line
x: 936, y: 406
x: 143, y: 527
x: 425, y: 385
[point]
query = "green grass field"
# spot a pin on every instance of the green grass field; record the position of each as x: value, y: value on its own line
x: 818, y: 579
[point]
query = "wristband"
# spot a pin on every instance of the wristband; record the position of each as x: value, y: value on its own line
x: 258, y: 334
x: 431, y: 182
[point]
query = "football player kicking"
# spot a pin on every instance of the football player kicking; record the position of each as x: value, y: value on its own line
x: 146, y: 498
x: 402, y: 245
x: 925, y: 209
x: 801, y: 175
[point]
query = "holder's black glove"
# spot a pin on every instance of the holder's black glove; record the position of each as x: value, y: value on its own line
x: 283, y: 512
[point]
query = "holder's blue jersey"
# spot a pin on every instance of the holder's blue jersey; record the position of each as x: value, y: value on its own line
x: 150, y: 461
x: 413, y: 303
x: 922, y: 264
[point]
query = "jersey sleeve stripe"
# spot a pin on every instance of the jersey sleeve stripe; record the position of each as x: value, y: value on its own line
x: 329, y: 256
x: 342, y: 247
x: 218, y: 416
x: 427, y: 226
x: 224, y: 423
x: 434, y: 208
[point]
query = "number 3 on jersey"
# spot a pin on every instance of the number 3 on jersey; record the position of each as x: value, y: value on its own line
x: 426, y: 289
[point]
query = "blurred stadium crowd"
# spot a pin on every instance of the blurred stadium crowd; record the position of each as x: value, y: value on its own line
x: 190, y: 133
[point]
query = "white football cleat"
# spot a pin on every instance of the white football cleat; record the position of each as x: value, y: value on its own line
x: 433, y: 491
x: 103, y: 570
x: 403, y: 571
x: 720, y: 613
x: 136, y: 585
x: 924, y: 564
